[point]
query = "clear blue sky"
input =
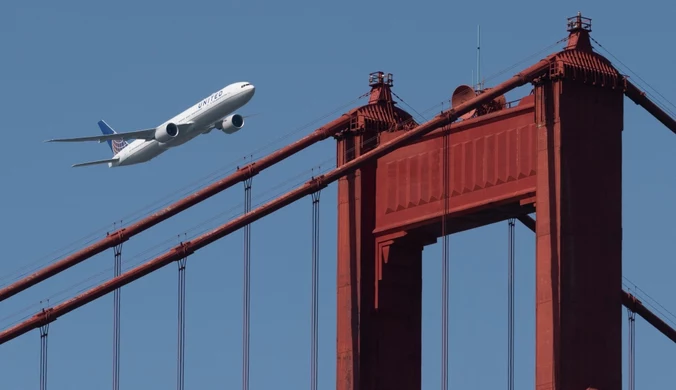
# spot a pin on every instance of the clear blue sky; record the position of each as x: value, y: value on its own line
x: 68, y: 64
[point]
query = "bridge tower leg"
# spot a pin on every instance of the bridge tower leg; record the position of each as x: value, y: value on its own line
x: 579, y: 117
x: 356, y: 268
x: 379, y: 279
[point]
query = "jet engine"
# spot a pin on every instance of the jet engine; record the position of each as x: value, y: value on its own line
x: 166, y: 133
x: 231, y: 124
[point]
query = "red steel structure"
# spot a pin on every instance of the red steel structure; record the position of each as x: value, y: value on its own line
x: 402, y: 185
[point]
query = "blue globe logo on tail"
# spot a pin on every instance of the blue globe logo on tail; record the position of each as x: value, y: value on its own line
x: 115, y: 145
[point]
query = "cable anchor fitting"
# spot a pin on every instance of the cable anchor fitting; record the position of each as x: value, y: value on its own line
x: 251, y: 172
x: 185, y: 249
x: 318, y: 183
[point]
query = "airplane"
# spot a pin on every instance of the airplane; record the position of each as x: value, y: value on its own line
x: 217, y: 111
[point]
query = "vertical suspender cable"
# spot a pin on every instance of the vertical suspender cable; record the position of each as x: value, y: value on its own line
x: 510, y: 305
x: 117, y: 250
x: 44, y: 330
x: 246, y: 304
x: 632, y: 350
x: 444, y: 265
x: 315, y: 293
x: 180, y: 381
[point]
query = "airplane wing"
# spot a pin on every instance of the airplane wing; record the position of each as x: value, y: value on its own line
x: 94, y: 162
x: 146, y: 134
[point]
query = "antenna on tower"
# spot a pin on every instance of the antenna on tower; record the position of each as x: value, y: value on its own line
x: 479, y: 84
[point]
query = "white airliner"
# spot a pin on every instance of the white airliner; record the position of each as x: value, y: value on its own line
x: 214, y: 112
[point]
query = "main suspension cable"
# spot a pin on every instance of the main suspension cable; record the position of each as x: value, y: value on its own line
x: 649, y: 301
x: 539, y: 52
x: 662, y: 104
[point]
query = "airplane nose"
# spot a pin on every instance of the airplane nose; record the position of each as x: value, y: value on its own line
x: 252, y: 89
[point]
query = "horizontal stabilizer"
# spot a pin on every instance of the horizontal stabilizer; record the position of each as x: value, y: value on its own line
x: 145, y: 134
x: 95, y: 162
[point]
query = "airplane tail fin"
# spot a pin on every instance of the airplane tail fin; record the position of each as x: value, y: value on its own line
x: 115, y: 145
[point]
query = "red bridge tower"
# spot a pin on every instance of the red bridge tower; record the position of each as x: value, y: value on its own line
x: 558, y: 151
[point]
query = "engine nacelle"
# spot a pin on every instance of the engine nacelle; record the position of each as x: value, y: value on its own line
x: 231, y: 124
x: 166, y: 133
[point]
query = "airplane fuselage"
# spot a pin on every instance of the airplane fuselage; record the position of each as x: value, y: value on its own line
x: 201, y: 118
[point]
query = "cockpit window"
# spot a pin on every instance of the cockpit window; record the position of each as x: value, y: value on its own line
x: 244, y: 85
